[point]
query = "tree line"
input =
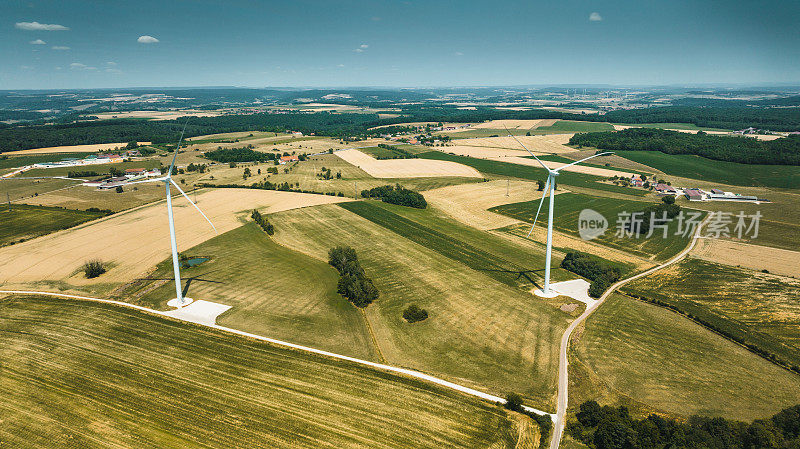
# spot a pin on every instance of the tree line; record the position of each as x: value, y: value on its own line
x: 613, y: 428
x: 396, y: 195
x: 263, y: 222
x: 242, y: 154
x: 599, y: 272
x: 353, y: 282
x: 732, y: 116
x: 783, y: 151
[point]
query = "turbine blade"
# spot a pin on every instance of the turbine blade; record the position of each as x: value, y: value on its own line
x: 169, y: 173
x: 163, y: 178
x: 584, y: 159
x: 526, y: 149
x: 545, y: 192
x: 192, y: 203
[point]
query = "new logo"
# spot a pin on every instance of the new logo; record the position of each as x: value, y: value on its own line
x: 591, y: 224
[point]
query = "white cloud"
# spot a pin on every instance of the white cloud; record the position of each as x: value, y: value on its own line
x: 59, y: 47
x: 25, y: 67
x: 361, y: 48
x: 147, y: 40
x: 79, y: 66
x: 595, y: 17
x: 340, y: 66
x: 364, y: 46
x: 111, y: 63
x: 36, y: 26
x: 38, y: 42
x: 458, y: 53
x: 114, y: 71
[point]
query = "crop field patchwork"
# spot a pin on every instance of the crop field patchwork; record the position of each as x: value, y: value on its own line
x: 505, y: 169
x: 756, y: 308
x: 480, y: 331
x: 639, y: 352
x: 569, y: 207
x: 90, y: 375
x: 132, y: 242
x: 272, y: 291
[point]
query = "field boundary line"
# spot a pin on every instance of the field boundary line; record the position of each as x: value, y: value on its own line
x: 563, y: 373
x: 378, y: 366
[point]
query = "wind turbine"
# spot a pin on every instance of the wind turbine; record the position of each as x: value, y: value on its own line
x: 551, y: 185
x: 179, y: 300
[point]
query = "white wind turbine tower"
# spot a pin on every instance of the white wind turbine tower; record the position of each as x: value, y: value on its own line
x: 179, y: 300
x: 550, y: 184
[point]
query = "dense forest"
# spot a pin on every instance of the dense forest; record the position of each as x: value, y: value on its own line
x: 65, y: 132
x: 613, y: 428
x: 168, y: 131
x: 243, y: 154
x: 784, y: 151
x: 730, y: 117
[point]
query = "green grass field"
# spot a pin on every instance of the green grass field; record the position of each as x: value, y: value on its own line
x: 572, y: 126
x: 480, y: 331
x: 25, y: 222
x: 15, y: 188
x: 273, y: 291
x: 506, y: 169
x: 651, y: 358
x: 78, y: 374
x: 11, y: 161
x: 696, y: 167
x: 757, y: 308
x: 569, y: 206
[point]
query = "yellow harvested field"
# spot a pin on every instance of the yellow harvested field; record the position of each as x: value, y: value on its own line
x: 550, y: 143
x: 484, y: 152
x: 156, y: 115
x: 405, y: 168
x: 133, y: 242
x: 755, y: 257
x: 514, y: 124
x: 93, y: 148
x: 596, y: 171
x: 468, y: 203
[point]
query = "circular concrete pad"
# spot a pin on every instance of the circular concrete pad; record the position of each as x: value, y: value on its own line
x: 540, y: 293
x: 174, y: 302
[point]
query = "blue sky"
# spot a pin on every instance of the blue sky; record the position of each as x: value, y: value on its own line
x: 395, y: 43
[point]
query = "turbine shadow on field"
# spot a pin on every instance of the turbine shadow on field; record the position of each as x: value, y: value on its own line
x: 188, y: 279
x: 520, y: 273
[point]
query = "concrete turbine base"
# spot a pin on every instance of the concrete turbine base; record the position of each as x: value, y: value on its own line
x: 174, y: 302
x: 552, y: 294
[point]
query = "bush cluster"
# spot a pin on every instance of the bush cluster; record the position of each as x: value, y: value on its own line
x: 396, y: 195
x: 93, y: 268
x: 514, y: 403
x: 613, y: 427
x: 414, y: 313
x: 600, y: 273
x: 398, y: 153
x: 263, y: 222
x: 353, y: 282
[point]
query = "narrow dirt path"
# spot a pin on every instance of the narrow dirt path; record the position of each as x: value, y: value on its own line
x: 563, y: 381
